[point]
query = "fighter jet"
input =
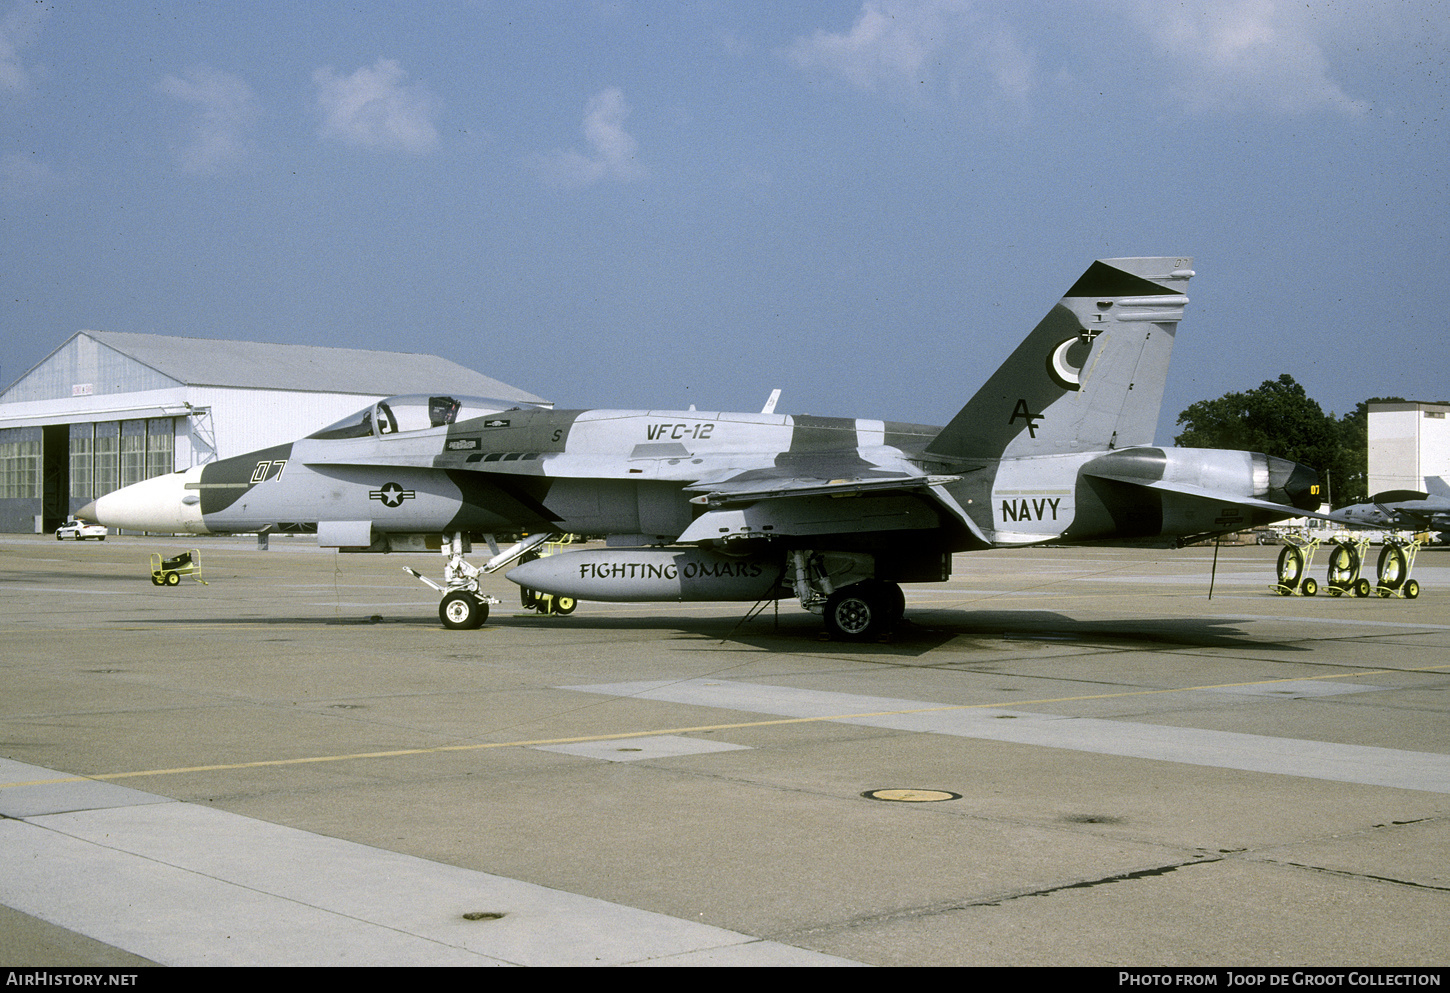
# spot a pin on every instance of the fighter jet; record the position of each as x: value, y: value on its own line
x: 1408, y: 510
x: 835, y: 512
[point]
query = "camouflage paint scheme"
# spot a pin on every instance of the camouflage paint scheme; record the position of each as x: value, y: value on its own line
x: 1055, y: 447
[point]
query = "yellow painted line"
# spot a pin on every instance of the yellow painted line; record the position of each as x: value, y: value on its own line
x: 439, y: 749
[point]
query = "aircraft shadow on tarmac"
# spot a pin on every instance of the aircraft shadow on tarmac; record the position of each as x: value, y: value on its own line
x: 972, y: 630
x: 797, y: 631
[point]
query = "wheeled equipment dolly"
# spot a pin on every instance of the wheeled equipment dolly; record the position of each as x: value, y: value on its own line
x: 1295, y: 559
x: 168, y: 572
x: 1346, y: 559
x: 1396, y: 560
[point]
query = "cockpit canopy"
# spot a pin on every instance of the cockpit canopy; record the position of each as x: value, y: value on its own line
x: 413, y: 412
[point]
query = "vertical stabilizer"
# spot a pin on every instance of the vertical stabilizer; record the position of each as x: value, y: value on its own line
x: 1089, y: 377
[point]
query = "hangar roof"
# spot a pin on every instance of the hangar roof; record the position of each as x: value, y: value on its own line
x: 246, y: 365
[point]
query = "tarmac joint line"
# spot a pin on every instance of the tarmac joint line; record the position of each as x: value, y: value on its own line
x: 815, y: 718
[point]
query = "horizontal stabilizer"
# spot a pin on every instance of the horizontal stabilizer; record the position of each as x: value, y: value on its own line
x: 1216, y: 496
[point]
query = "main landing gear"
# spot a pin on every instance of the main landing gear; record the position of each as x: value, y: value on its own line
x: 864, y: 611
x: 464, y: 606
x: 838, y: 586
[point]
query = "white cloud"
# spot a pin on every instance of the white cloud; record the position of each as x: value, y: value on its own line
x: 1217, y: 54
x: 612, y: 151
x: 227, y: 111
x: 19, y: 28
x: 376, y: 107
x: 1235, y: 54
x: 900, y: 45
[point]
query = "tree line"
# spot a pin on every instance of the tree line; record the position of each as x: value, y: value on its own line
x: 1280, y: 419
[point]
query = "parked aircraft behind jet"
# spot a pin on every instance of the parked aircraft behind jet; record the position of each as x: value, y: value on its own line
x: 1407, y: 510
x: 837, y: 512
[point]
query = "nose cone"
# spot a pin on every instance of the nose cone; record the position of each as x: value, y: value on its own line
x: 162, y: 503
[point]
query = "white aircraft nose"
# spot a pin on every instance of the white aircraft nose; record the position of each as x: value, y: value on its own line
x: 162, y: 503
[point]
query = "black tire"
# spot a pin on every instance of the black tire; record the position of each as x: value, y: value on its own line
x: 564, y: 605
x: 1291, y: 567
x: 1362, y: 588
x: 859, y: 612
x: 1310, y: 586
x: 1392, y: 567
x: 896, y: 601
x: 156, y: 579
x: 172, y: 578
x: 1343, y: 566
x: 1412, y: 589
x: 462, y: 611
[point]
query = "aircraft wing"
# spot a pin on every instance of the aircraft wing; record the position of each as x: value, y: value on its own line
x: 821, y: 495
x: 736, y: 492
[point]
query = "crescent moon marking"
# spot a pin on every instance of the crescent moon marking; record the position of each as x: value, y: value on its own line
x: 1065, y: 374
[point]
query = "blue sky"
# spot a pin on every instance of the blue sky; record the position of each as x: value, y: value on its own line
x: 658, y: 204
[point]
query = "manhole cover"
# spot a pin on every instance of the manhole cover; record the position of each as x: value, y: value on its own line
x: 911, y: 796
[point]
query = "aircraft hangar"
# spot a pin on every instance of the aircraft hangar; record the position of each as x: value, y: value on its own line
x: 108, y: 408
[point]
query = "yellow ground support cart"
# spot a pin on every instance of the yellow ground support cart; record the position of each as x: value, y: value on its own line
x: 168, y: 572
x: 1346, y: 559
x: 546, y: 603
x: 1396, y: 560
x: 1295, y: 560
